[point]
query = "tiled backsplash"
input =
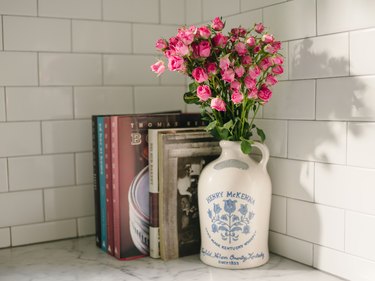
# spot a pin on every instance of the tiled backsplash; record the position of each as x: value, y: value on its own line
x: 64, y: 60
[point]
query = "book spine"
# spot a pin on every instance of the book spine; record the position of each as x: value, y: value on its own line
x: 108, y: 183
x: 115, y: 187
x: 95, y: 166
x: 153, y: 195
x: 103, y: 212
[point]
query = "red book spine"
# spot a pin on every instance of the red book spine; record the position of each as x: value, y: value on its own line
x: 108, y: 187
x: 115, y: 187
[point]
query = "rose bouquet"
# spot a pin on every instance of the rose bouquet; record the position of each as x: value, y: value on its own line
x: 231, y: 74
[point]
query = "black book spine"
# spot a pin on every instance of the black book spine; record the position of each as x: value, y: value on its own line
x: 95, y: 165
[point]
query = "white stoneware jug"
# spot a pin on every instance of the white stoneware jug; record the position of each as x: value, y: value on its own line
x: 234, y: 194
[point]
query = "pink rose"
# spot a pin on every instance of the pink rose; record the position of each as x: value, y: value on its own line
x: 181, y: 49
x: 254, y: 72
x: 257, y: 48
x: 278, y: 60
x: 169, y: 53
x: 204, y: 49
x: 265, y: 63
x: 220, y: 40
x: 249, y: 82
x: 240, y: 71
x: 228, y: 75
x: 161, y: 44
x: 217, y: 24
x: 276, y: 45
x: 259, y: 27
x: 250, y: 41
x: 271, y: 80
x: 235, y: 85
x: 277, y: 69
x: 267, y: 38
x: 269, y: 49
x: 236, y: 97
x: 241, y: 49
x: 204, y: 32
x: 246, y: 60
x: 158, y: 67
x: 203, y: 92
x: 199, y: 74
x: 264, y: 93
x: 253, y: 93
x: 211, y: 68
x: 176, y: 63
x: 185, y: 35
x: 224, y: 62
x: 218, y: 104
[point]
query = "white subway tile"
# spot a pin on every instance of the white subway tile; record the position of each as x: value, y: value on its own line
x: 66, y: 136
x: 70, y: 69
x: 361, y: 138
x: 84, y: 168
x: 172, y: 78
x: 106, y: 37
x: 324, y: 56
x: 359, y: 235
x: 246, y: 20
x: 86, y: 226
x: 347, y: 15
x: 291, y: 178
x: 194, y: 13
x: 343, y: 265
x: 256, y: 4
x: 172, y: 11
x: 345, y: 187
x: 292, y: 100
x: 1, y: 38
x: 276, y: 135
x: 193, y: 108
x: 34, y: 233
x: 18, y: 7
x: 146, y: 35
x: 36, y: 34
x: 291, y: 20
x: 4, y: 237
x: 129, y: 70
x: 316, y: 223
x: 21, y: 207
x: 219, y: 8
x: 41, y: 171
x: 360, y: 47
x: 278, y: 214
x: 13, y: 136
x: 152, y: 99
x: 3, y: 175
x: 102, y: 100
x: 80, y: 200
x: 18, y: 69
x: 317, y: 141
x: 82, y: 9
x: 291, y: 248
x: 45, y: 103
x: 349, y: 98
x: 131, y: 10
x: 2, y: 104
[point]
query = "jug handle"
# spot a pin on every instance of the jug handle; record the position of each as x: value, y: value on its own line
x: 265, y: 154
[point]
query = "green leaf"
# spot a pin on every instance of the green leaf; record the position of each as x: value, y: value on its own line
x: 246, y: 146
x: 211, y: 126
x: 261, y: 135
x: 228, y: 125
x: 191, y: 98
x: 192, y: 87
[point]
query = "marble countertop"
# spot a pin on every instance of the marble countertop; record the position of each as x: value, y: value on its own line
x: 79, y: 259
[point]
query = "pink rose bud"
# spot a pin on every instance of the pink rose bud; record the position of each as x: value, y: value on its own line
x: 257, y: 48
x: 246, y: 60
x: 277, y: 69
x: 204, y: 32
x: 241, y: 49
x: 236, y: 97
x: 185, y: 35
x: 199, y: 74
x: 278, y: 60
x: 249, y: 82
x: 218, y: 104
x: 211, y: 68
x: 250, y: 41
x: 224, y: 62
x: 240, y: 71
x: 181, y: 49
x: 235, y: 85
x: 254, y: 72
x: 264, y: 93
x: 176, y: 63
x: 161, y: 44
x: 169, y: 53
x: 220, y: 40
x: 158, y: 67
x: 271, y: 80
x: 228, y: 75
x: 217, y: 24
x: 265, y: 63
x: 269, y: 49
x: 259, y: 27
x: 253, y: 93
x: 204, y: 49
x: 267, y: 38
x: 276, y: 45
x: 203, y: 92
x: 193, y: 29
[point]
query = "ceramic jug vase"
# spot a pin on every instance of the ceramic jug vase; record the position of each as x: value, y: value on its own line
x: 234, y: 194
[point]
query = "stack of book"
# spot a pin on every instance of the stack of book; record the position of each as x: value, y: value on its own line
x: 135, y: 158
